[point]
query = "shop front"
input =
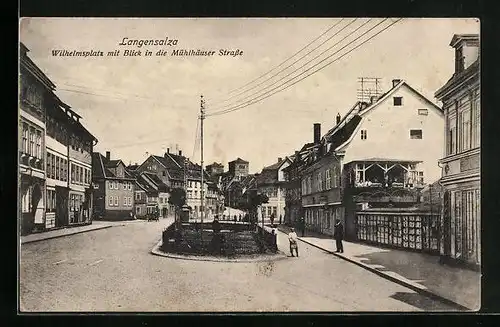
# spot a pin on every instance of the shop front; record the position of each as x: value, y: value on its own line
x: 32, y: 193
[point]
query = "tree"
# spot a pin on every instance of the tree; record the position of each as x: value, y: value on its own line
x: 177, y: 199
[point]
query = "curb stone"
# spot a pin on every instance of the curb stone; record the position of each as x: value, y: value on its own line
x: 155, y: 251
x: 413, y: 286
x: 72, y: 233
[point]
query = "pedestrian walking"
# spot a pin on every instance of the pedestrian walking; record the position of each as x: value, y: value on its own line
x: 292, y: 238
x: 338, y: 234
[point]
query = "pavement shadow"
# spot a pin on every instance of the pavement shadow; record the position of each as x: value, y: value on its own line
x: 307, y: 233
x: 421, y: 302
x: 459, y: 285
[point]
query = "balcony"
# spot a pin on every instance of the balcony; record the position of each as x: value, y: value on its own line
x: 384, y: 181
x: 385, y: 195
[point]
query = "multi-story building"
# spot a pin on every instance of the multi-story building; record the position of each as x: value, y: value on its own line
x: 238, y: 168
x: 293, y: 176
x: 177, y: 171
x: 114, y: 187
x: 35, y: 88
x: 460, y: 164
x: 321, y: 188
x: 271, y: 182
x: 54, y: 152
x: 378, y: 155
x: 215, y: 169
x: 151, y: 195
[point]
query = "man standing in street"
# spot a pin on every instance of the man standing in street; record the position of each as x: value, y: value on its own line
x: 303, y: 226
x: 338, y: 234
x: 292, y: 238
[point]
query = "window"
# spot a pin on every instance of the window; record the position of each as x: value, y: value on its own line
x: 195, y: 194
x: 110, y: 201
x: 451, y: 138
x: 53, y: 167
x: 138, y: 210
x: 398, y: 101
x: 465, y: 130
x: 116, y: 184
x: 476, y: 121
x: 320, y: 182
x: 116, y: 200
x: 125, y: 186
x: 49, y: 163
x: 38, y: 144
x: 334, y: 176
x: 309, y: 185
x: 110, y: 185
x: 421, y: 177
x: 32, y: 142
x: 125, y: 200
x: 58, y: 167
x: 61, y: 169
x: 423, y: 112
x: 25, y: 138
x: 415, y: 134
x: 130, y: 186
x: 304, y: 187
x: 137, y: 195
x: 363, y: 134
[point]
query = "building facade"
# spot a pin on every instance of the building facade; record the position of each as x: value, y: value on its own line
x: 113, y: 189
x: 55, y: 156
x: 321, y: 194
x: 238, y: 168
x: 271, y: 182
x: 215, y: 169
x: 461, y: 178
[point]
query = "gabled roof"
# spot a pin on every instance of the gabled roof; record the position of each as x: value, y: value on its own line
x: 155, y: 180
x: 113, y: 163
x: 394, y: 89
x: 100, y: 169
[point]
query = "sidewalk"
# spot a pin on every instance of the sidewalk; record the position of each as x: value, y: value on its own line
x: 96, y: 225
x: 420, y: 272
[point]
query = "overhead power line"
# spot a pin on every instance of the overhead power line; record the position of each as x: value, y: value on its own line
x: 196, y: 139
x: 296, y: 53
x: 293, y: 63
x: 308, y: 62
x: 315, y: 71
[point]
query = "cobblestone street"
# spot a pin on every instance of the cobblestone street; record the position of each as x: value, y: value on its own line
x: 113, y: 270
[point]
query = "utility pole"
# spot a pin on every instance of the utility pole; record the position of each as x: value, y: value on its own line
x: 202, y: 117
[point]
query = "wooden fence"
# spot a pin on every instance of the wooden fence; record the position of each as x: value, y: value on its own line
x: 418, y: 231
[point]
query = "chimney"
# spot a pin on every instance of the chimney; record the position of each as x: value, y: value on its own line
x: 168, y: 150
x: 108, y: 155
x: 373, y: 98
x: 395, y: 82
x: 180, y: 152
x: 280, y: 159
x: 297, y: 155
x: 338, y: 119
x: 317, y: 133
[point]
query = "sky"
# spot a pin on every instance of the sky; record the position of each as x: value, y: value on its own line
x: 145, y: 104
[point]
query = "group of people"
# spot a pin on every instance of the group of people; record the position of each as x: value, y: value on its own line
x: 338, y: 235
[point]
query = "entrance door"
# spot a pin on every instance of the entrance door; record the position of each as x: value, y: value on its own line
x: 61, y: 206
